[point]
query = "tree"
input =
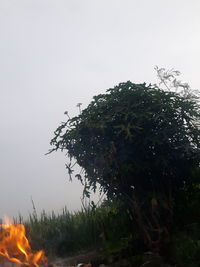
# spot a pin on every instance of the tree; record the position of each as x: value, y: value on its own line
x: 138, y: 142
x: 134, y: 138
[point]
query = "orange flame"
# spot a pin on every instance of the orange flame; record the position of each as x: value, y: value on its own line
x: 14, y: 246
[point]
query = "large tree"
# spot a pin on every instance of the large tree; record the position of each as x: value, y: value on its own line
x: 136, y: 141
x: 134, y: 138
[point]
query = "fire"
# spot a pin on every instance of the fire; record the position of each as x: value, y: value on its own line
x: 14, y: 246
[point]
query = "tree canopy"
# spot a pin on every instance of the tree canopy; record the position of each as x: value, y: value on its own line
x: 135, y: 138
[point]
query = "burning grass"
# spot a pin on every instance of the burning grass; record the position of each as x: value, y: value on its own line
x: 15, y: 247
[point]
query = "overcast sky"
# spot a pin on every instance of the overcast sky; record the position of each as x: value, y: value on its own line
x: 57, y: 53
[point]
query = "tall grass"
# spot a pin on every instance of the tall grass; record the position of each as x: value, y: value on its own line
x: 71, y: 232
x: 107, y: 227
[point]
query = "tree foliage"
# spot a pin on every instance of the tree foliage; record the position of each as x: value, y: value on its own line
x: 134, y: 139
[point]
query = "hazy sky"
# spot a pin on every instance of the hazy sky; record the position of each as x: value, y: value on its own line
x: 57, y: 53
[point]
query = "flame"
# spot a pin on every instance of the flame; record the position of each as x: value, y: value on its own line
x: 14, y: 246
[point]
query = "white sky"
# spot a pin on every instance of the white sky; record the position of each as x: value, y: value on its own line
x: 55, y: 54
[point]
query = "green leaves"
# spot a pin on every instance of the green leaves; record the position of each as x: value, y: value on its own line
x: 134, y: 136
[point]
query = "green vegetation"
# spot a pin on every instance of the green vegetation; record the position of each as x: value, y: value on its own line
x: 141, y: 144
x: 71, y: 232
x: 103, y: 228
x: 107, y: 230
